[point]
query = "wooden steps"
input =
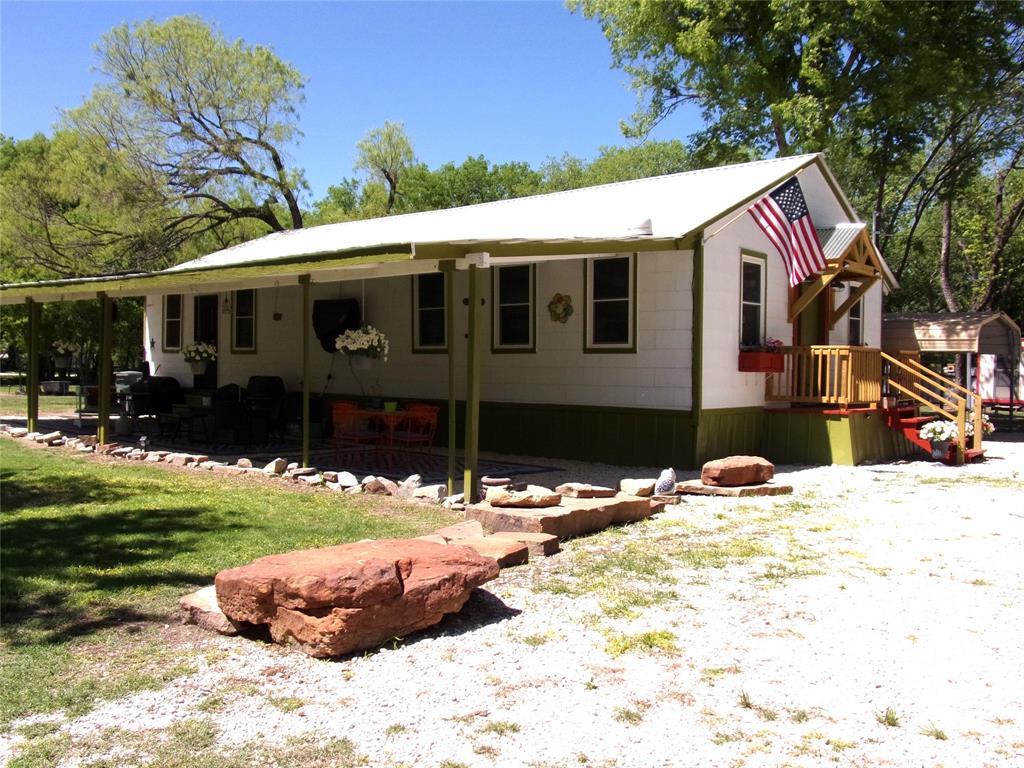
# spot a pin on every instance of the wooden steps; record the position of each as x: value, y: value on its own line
x: 906, y: 421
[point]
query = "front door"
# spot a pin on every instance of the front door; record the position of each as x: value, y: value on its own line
x: 205, y: 309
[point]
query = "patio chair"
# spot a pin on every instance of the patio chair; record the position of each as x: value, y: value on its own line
x: 229, y: 414
x: 352, y: 430
x: 416, y: 429
x: 423, y: 407
x: 264, y: 401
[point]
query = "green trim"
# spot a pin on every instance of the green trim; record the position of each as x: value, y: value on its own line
x: 496, y: 307
x: 448, y: 267
x: 234, y: 303
x: 449, y: 289
x: 473, y: 372
x: 140, y: 283
x: 106, y: 367
x: 588, y: 348
x: 181, y: 323
x: 746, y: 253
x: 307, y: 321
x: 697, y: 338
x: 32, y: 343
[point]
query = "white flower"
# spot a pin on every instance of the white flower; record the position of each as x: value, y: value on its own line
x: 61, y: 347
x: 199, y: 351
x: 366, y: 341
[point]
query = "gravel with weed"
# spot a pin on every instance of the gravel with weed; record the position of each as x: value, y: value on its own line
x: 873, y: 618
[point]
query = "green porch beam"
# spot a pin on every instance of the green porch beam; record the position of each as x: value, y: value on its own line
x: 307, y: 320
x: 448, y: 268
x: 32, y: 364
x: 697, y: 346
x: 106, y: 366
x: 470, y: 475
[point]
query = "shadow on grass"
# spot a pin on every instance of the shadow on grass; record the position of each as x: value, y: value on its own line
x: 115, y: 555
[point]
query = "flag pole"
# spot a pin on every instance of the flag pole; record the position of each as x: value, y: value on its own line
x: 759, y: 194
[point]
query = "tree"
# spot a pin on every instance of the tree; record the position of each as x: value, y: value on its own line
x: 385, y: 154
x: 204, y: 119
x: 67, y: 212
x: 650, y: 158
x: 473, y: 181
x: 910, y: 100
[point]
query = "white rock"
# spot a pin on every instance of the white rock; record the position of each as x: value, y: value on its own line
x: 276, y: 467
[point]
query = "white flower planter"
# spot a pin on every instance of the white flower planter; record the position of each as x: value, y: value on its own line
x: 361, y: 362
x: 198, y: 367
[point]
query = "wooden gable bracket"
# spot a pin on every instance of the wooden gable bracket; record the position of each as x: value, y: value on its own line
x: 835, y: 315
x: 819, y: 283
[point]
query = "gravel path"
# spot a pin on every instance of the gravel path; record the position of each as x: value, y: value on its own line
x: 724, y: 632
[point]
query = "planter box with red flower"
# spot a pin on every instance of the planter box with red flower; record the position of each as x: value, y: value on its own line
x: 761, y: 362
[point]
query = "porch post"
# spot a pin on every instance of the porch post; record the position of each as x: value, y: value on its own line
x: 448, y: 269
x: 32, y: 365
x: 470, y: 476
x: 106, y: 365
x: 306, y: 320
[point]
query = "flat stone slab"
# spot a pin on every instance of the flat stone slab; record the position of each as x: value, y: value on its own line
x: 585, y: 491
x: 469, y: 529
x: 573, y: 517
x: 508, y: 552
x: 539, y: 544
x: 201, y: 609
x: 696, y: 488
x: 352, y: 597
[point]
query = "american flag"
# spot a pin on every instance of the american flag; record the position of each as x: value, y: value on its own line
x: 783, y: 216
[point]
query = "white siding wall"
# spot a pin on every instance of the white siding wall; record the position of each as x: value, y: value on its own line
x: 656, y: 376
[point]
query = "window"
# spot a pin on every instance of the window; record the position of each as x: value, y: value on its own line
x: 428, y: 313
x: 243, y: 321
x: 172, y: 322
x: 855, y: 334
x: 611, y: 288
x: 512, y: 325
x: 752, y: 286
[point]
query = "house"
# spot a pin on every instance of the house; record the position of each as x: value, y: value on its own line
x: 621, y: 323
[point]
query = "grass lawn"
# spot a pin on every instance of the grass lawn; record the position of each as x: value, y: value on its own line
x: 13, y: 404
x: 96, y: 554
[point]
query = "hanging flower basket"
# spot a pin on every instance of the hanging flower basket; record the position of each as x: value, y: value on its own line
x: 198, y: 354
x: 198, y: 367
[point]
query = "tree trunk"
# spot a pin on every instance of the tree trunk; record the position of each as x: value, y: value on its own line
x: 944, y: 251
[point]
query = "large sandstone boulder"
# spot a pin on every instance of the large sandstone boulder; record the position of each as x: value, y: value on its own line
x: 734, y: 471
x: 352, y: 597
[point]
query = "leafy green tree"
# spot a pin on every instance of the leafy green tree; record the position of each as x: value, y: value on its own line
x: 473, y: 181
x: 385, y: 154
x: 204, y: 119
x: 650, y: 158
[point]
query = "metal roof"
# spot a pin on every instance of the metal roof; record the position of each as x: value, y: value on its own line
x: 835, y: 240
x: 992, y: 333
x: 642, y: 214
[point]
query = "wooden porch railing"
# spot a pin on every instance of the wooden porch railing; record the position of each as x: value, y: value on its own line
x: 943, y: 396
x: 827, y: 375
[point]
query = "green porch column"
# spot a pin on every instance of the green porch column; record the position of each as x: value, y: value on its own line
x: 470, y: 476
x: 306, y: 321
x: 448, y: 268
x: 106, y: 366
x: 32, y: 364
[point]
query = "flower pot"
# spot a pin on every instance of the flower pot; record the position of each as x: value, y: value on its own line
x: 61, y: 362
x: 198, y: 367
x: 761, y: 362
x: 390, y: 406
x: 361, y: 362
x: 940, y: 449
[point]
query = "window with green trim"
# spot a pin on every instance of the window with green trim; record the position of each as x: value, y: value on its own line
x: 172, y: 322
x: 752, y: 303
x: 243, y: 320
x: 513, y: 303
x: 611, y: 293
x: 428, y: 313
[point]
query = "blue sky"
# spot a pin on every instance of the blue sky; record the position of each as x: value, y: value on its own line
x: 509, y: 80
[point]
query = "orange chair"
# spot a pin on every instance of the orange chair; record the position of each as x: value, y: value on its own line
x: 351, y: 430
x: 416, y: 429
x: 423, y: 407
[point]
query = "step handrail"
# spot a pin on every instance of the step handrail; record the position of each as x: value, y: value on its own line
x: 973, y: 399
x: 929, y: 377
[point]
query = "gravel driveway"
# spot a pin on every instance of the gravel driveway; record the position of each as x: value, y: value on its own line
x: 873, y: 618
